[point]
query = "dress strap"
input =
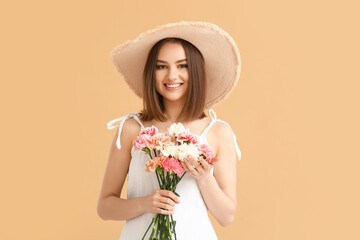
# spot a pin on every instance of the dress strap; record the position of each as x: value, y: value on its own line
x: 121, y: 124
x: 212, y: 115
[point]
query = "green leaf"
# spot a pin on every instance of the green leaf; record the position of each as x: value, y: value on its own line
x: 160, y: 171
x: 147, y: 151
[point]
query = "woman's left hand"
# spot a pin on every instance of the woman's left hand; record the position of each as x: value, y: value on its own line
x: 199, y: 170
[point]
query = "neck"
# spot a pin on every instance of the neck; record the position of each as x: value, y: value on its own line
x: 172, y: 110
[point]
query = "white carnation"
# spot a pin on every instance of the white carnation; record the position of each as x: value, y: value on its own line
x: 170, y: 149
x: 175, y: 129
x: 187, y: 149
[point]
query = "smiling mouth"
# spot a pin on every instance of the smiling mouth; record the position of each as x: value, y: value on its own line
x: 173, y: 85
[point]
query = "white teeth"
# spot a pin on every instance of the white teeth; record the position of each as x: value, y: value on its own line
x: 173, y: 85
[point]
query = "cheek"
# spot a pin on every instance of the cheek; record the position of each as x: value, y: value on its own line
x: 186, y: 76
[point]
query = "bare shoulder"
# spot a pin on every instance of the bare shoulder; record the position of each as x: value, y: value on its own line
x: 223, y: 130
x: 129, y: 133
x: 131, y: 128
x: 119, y: 160
x: 221, y: 136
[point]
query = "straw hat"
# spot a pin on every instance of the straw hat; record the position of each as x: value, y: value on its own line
x: 222, y: 57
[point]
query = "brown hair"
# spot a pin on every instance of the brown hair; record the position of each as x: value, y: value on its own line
x: 153, y: 106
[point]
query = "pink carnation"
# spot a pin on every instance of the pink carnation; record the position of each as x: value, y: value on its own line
x: 140, y: 142
x: 172, y: 165
x: 206, y: 150
x: 149, y: 131
x: 187, y: 136
x: 158, y: 140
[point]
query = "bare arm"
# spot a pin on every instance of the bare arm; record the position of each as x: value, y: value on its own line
x: 218, y: 190
x: 110, y: 205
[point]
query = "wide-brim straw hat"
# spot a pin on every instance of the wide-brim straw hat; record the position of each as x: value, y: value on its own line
x: 220, y: 52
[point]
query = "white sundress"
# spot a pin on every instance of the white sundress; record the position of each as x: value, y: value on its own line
x: 191, y: 214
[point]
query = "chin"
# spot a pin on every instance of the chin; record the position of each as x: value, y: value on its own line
x: 173, y: 98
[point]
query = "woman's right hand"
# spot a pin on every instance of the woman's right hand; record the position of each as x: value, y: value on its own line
x: 161, y: 201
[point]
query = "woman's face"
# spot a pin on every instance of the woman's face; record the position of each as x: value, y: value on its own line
x: 172, y: 74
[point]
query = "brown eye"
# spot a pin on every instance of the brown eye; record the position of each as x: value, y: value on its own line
x: 183, y: 65
x: 160, y: 66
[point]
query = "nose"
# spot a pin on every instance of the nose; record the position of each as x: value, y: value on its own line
x: 173, y: 73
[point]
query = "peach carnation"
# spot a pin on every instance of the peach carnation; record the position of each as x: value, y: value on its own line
x: 152, y: 164
x: 157, y: 141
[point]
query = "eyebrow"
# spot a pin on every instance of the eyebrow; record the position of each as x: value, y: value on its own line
x: 157, y: 60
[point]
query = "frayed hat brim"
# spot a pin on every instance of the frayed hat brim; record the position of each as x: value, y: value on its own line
x: 221, y: 54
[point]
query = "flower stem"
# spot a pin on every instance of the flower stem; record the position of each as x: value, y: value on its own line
x: 152, y: 221
x: 157, y: 176
x: 173, y: 226
x: 155, y: 226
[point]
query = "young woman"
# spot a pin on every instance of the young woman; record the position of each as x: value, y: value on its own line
x: 187, y: 67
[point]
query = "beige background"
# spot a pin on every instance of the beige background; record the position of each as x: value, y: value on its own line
x: 295, y: 111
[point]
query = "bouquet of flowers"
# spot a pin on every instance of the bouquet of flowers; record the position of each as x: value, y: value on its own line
x: 166, y: 150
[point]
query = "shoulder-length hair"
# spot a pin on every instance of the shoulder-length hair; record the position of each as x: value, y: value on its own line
x: 153, y: 105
